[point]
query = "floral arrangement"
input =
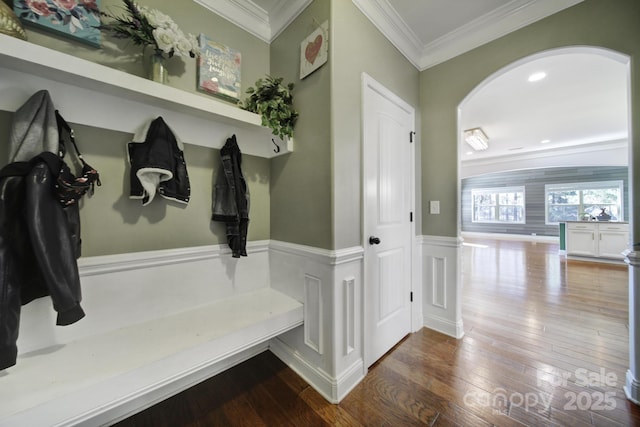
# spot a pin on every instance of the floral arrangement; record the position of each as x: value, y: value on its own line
x: 150, y: 27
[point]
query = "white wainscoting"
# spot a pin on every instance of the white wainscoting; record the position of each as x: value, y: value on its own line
x: 124, y: 289
x: 440, y: 258
x: 157, y: 323
x: 327, y: 351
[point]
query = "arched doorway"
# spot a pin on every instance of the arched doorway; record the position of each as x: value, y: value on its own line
x: 598, y: 138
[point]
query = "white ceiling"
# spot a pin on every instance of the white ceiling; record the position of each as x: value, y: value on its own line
x: 583, y: 100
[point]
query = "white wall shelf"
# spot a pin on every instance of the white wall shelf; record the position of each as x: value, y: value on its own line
x: 96, y: 95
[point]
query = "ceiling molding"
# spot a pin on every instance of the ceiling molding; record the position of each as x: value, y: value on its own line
x: 243, y: 13
x: 268, y: 24
x: 484, y: 29
x: 503, y: 20
x: 384, y: 17
x: 603, y: 153
x: 264, y: 24
x: 284, y: 13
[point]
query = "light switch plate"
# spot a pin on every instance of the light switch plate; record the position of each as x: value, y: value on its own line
x: 434, y: 207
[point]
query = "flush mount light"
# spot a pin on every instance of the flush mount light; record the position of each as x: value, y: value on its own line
x: 476, y: 138
x: 545, y: 141
x: 535, y: 77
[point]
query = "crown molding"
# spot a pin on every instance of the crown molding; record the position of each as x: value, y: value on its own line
x: 264, y: 24
x: 484, y: 29
x: 284, y: 13
x: 600, y: 153
x: 503, y: 20
x: 385, y: 18
x: 268, y: 24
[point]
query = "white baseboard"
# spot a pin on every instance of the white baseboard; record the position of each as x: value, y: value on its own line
x: 332, y: 389
x: 517, y: 237
x: 445, y: 326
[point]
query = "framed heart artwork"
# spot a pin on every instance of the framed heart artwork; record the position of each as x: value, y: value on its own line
x: 314, y: 50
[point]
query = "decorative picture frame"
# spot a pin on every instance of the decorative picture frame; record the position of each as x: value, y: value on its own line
x: 314, y: 50
x: 78, y: 20
x: 219, y: 69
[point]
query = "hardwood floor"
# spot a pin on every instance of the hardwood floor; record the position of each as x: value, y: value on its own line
x: 546, y: 344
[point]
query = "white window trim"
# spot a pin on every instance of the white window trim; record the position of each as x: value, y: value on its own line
x: 516, y: 189
x: 594, y: 185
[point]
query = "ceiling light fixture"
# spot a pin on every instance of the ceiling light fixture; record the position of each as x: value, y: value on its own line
x: 535, y: 77
x: 476, y: 138
x: 545, y: 141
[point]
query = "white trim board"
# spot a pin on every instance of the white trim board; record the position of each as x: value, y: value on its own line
x: 503, y: 236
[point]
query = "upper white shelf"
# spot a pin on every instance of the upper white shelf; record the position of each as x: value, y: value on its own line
x: 92, y: 94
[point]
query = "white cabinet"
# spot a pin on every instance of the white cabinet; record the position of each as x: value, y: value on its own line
x: 581, y: 239
x: 612, y: 239
x: 599, y: 240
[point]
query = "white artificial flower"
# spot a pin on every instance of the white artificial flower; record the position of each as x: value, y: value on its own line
x: 157, y: 19
x: 183, y: 46
x: 165, y: 39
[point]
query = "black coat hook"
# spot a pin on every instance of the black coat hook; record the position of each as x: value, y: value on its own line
x: 277, y: 149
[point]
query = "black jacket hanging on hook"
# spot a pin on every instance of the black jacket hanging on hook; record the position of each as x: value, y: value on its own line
x: 231, y: 198
x: 157, y: 164
x: 39, y: 229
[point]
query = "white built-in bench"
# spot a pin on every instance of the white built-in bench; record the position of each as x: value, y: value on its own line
x: 157, y: 323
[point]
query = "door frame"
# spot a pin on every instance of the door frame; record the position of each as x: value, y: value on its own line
x: 370, y: 84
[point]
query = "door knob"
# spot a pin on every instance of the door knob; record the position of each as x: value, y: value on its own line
x: 374, y: 240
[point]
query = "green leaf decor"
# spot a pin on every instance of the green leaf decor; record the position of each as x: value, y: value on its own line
x: 274, y: 102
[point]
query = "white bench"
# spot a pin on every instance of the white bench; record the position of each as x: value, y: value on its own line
x: 157, y: 323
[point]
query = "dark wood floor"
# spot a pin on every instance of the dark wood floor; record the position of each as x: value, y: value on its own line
x: 546, y: 343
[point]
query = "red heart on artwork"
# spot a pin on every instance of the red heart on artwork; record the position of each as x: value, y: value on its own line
x: 313, y: 48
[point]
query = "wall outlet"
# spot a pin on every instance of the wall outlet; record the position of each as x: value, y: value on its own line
x: 434, y: 207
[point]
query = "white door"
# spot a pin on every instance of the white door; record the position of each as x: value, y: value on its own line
x: 388, y: 126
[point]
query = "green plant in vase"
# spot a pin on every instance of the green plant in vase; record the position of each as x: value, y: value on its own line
x: 274, y: 102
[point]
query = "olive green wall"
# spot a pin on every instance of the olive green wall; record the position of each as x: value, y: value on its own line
x: 601, y: 23
x: 301, y: 181
x: 358, y: 47
x: 316, y: 191
x: 111, y: 222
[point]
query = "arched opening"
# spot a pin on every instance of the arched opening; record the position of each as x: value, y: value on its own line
x: 561, y: 130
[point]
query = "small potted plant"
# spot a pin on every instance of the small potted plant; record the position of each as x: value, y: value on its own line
x: 274, y: 102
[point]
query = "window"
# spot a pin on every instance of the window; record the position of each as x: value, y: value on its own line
x: 570, y: 202
x: 504, y: 205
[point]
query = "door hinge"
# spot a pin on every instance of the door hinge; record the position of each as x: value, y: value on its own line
x: 411, y: 134
x: 411, y: 296
x: 410, y: 216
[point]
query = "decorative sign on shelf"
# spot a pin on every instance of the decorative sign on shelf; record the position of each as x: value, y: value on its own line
x: 314, y: 50
x: 219, y: 68
x: 75, y: 19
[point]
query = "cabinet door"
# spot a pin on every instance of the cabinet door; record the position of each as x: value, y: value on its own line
x: 612, y: 240
x: 581, y: 239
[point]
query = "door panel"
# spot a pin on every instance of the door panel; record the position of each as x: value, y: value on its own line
x: 388, y: 178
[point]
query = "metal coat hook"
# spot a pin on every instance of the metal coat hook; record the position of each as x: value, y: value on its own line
x: 277, y: 149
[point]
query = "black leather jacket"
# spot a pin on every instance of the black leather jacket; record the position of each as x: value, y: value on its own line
x: 39, y: 245
x: 231, y: 198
